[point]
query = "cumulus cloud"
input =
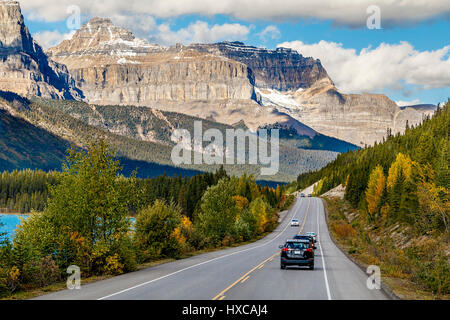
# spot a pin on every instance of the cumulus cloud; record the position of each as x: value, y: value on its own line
x: 200, y: 32
x: 344, y: 12
x: 271, y: 32
x: 47, y: 39
x: 388, y: 66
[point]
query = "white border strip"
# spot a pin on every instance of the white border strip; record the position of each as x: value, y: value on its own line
x: 323, y: 259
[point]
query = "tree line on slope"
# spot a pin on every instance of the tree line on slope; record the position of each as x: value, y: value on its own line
x: 404, y: 178
x: 398, y: 194
x: 81, y: 117
x: 86, y: 219
x: 24, y: 191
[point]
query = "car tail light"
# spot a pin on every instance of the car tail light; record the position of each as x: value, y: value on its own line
x: 285, y: 249
x: 309, y: 250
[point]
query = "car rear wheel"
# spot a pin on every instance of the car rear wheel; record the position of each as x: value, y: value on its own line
x: 282, y: 266
x: 311, y: 267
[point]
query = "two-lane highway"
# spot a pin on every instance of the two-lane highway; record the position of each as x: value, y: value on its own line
x: 247, y: 272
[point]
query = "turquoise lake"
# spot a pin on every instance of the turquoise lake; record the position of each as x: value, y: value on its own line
x: 10, y: 223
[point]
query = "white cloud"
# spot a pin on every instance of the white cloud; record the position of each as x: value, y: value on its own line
x: 140, y: 24
x: 408, y: 103
x: 271, y: 32
x: 389, y: 66
x: 200, y: 32
x: 344, y: 12
x: 47, y: 39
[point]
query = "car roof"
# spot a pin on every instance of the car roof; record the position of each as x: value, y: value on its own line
x: 297, y: 240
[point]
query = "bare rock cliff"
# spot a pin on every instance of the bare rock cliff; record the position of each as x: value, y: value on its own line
x: 282, y: 69
x: 24, y: 67
x: 111, y: 66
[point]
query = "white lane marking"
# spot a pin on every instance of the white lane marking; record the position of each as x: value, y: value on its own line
x: 201, y: 263
x: 323, y: 259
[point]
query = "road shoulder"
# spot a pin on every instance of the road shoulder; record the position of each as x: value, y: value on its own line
x: 389, y: 293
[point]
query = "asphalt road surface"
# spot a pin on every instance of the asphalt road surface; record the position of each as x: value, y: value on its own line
x: 247, y: 272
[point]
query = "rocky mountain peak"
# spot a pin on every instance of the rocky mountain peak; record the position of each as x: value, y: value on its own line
x: 24, y: 67
x: 101, y: 30
x: 100, y: 36
x: 14, y: 35
x: 98, y: 22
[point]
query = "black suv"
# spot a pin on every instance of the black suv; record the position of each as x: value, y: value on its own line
x: 297, y: 252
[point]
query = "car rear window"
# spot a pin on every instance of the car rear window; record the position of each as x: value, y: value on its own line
x: 303, y: 237
x: 296, y: 245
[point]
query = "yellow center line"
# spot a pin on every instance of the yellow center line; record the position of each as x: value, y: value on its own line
x: 220, y: 296
x: 245, y: 279
x: 304, y: 219
x: 238, y: 280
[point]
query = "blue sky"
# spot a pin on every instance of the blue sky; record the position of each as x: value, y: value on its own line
x: 407, y: 59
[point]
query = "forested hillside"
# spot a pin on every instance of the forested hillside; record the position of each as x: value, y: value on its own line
x: 409, y: 164
x: 290, y: 137
x: 396, y: 208
x: 79, y: 123
x: 297, y: 153
x: 24, y: 145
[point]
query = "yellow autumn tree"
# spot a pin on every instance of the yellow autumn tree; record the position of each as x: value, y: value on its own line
x: 402, y: 167
x: 241, y: 202
x: 375, y: 189
x: 259, y: 211
x: 435, y: 203
x: 186, y: 224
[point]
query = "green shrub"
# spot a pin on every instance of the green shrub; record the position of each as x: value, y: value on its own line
x: 435, y: 274
x: 155, y: 226
x: 41, y: 272
x: 246, y: 226
x: 218, y: 211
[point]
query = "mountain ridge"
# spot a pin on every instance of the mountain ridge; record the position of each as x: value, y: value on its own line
x: 225, y: 82
x: 314, y: 102
x: 52, y: 116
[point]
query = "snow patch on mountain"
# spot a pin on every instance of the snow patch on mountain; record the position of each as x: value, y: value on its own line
x: 125, y: 61
x: 272, y: 97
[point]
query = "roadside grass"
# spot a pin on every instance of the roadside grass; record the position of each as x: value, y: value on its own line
x: 367, y: 246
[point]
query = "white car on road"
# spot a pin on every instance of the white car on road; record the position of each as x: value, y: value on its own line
x: 295, y: 223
